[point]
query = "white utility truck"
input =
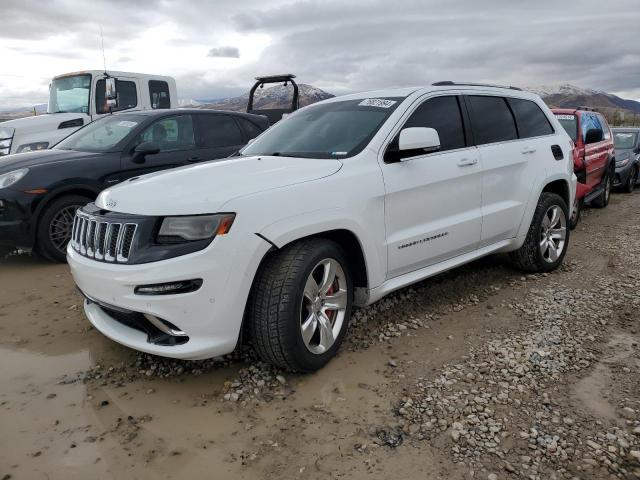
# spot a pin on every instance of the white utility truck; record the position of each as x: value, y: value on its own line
x: 78, y: 98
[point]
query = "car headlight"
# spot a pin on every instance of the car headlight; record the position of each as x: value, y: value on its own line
x: 194, y: 227
x: 6, y: 132
x: 31, y: 147
x: 623, y: 162
x: 8, y: 179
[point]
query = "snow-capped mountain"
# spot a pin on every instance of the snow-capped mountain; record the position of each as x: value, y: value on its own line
x: 188, y: 102
x: 572, y: 96
x: 277, y: 96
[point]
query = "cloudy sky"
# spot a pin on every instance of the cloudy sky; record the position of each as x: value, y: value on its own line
x: 214, y: 48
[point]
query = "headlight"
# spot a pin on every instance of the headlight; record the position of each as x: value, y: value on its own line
x: 8, y: 179
x: 196, y: 227
x: 30, y: 147
x: 623, y: 162
x: 6, y: 132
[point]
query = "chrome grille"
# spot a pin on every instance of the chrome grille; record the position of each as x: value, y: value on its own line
x: 106, y: 241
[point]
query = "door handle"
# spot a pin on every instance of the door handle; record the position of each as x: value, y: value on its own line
x: 528, y: 150
x: 466, y: 162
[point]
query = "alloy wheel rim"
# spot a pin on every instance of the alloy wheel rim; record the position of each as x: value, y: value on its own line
x: 553, y: 234
x: 324, y: 306
x: 61, y: 227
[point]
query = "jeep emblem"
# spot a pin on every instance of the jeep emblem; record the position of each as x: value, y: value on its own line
x: 111, y: 203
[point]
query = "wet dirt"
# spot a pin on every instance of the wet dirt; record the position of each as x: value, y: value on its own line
x: 58, y: 424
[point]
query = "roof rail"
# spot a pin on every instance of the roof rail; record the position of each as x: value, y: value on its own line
x: 586, y: 109
x: 448, y: 83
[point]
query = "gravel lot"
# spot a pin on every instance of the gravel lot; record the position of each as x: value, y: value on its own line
x: 478, y: 373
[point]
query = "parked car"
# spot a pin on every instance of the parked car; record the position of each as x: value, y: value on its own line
x: 627, y: 143
x: 78, y: 98
x: 40, y: 191
x: 337, y: 205
x: 593, y: 157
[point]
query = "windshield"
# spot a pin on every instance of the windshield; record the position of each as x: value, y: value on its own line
x: 70, y: 94
x: 570, y: 124
x: 328, y: 130
x: 624, y: 140
x: 102, y: 135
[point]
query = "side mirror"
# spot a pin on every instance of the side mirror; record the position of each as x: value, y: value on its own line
x: 594, y: 135
x: 144, y: 149
x: 419, y: 138
x: 110, y: 93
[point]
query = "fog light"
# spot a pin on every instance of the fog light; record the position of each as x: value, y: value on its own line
x: 170, y: 288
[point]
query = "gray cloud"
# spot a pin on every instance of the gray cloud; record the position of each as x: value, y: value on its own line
x: 224, y: 52
x: 362, y: 44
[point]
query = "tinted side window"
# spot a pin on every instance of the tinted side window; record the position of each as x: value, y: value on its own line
x: 170, y: 134
x: 250, y: 128
x: 605, y: 130
x: 531, y: 120
x: 127, y: 96
x: 443, y: 115
x: 218, y: 131
x: 159, y: 94
x: 492, y: 120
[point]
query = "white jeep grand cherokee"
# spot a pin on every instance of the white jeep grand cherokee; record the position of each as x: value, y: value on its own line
x: 337, y: 205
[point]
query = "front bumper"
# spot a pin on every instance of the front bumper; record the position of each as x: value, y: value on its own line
x: 15, y: 219
x: 622, y: 174
x: 211, y: 317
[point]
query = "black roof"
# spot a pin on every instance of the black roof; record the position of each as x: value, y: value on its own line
x: 171, y: 111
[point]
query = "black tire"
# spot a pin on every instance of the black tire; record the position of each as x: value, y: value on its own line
x: 602, y: 200
x: 529, y: 257
x: 50, y: 229
x: 575, y: 215
x: 276, y: 304
x: 632, y: 179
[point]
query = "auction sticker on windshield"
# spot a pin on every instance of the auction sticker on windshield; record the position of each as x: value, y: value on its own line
x: 566, y: 117
x: 377, y: 102
x: 127, y: 123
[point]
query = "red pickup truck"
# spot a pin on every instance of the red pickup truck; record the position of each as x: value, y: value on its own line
x: 593, y: 157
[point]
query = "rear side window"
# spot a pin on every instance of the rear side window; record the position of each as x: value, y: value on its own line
x: 492, y: 120
x: 531, y: 120
x: 250, y: 128
x: 218, y: 131
x: 127, y: 96
x: 159, y: 94
x: 443, y: 115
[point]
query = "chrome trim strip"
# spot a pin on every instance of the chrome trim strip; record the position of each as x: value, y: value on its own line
x: 159, y: 324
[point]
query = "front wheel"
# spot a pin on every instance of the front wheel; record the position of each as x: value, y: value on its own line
x: 576, y: 213
x: 548, y: 237
x: 300, y: 305
x: 55, y: 225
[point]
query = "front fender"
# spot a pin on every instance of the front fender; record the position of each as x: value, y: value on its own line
x: 290, y: 229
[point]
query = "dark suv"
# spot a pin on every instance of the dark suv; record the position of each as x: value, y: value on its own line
x: 627, y: 143
x: 40, y: 191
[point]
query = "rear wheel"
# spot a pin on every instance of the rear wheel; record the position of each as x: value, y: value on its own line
x: 300, y: 305
x: 548, y: 238
x: 630, y: 186
x: 55, y: 225
x: 603, y: 199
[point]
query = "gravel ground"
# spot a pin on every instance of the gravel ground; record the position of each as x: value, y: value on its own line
x: 478, y: 373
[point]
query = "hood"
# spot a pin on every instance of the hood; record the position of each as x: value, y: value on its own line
x: 42, y: 123
x: 207, y: 187
x: 40, y: 157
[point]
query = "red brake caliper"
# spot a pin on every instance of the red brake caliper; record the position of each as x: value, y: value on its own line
x: 331, y: 313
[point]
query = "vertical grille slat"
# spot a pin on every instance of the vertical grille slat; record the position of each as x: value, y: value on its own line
x: 97, y: 237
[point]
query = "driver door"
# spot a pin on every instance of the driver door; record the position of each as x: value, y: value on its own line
x: 433, y: 203
x: 174, y: 136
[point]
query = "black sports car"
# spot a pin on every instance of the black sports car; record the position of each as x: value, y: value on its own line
x: 40, y: 191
